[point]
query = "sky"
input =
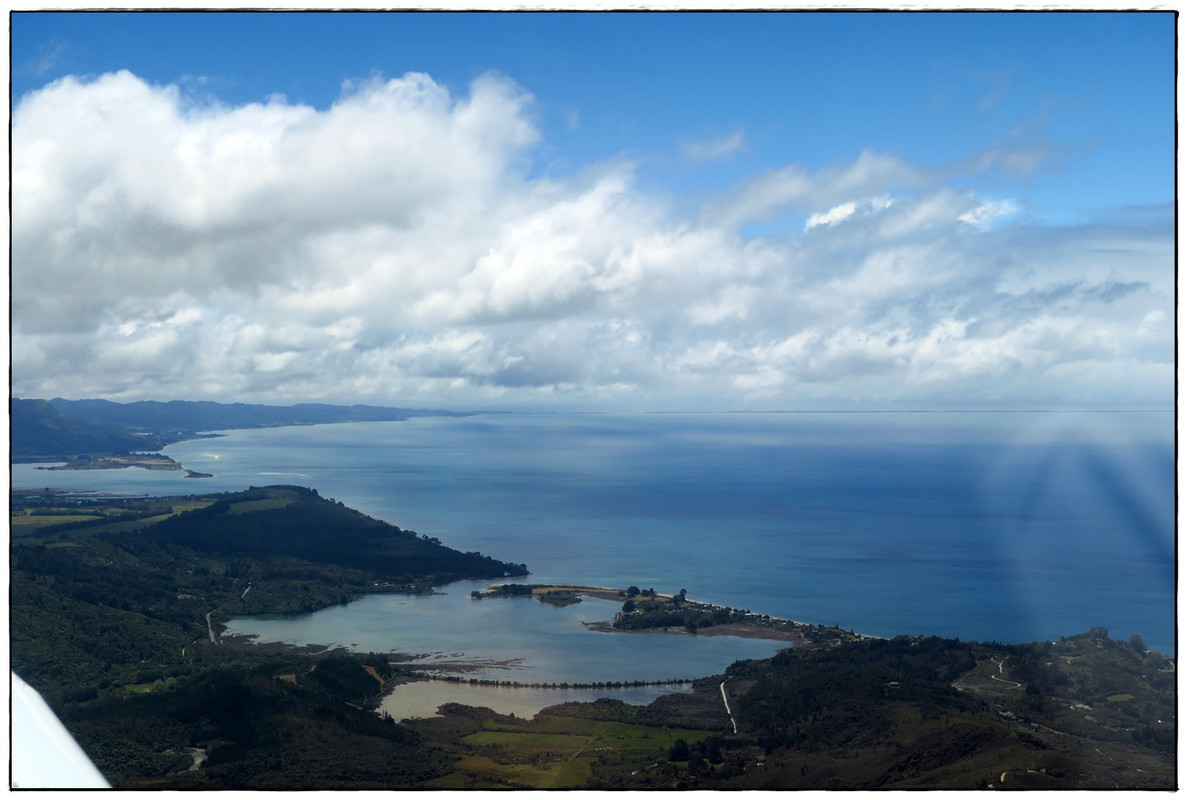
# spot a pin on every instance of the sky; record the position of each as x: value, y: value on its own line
x: 598, y: 211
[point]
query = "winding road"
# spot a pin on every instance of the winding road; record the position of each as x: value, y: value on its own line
x: 1000, y: 665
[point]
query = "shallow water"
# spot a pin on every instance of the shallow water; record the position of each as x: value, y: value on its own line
x: 506, y: 639
x: 422, y: 699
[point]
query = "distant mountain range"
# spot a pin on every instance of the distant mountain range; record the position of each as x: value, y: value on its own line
x: 45, y: 428
x: 40, y: 431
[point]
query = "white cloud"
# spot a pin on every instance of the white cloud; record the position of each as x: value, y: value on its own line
x: 846, y: 210
x: 986, y: 213
x: 832, y: 216
x: 870, y: 174
x: 392, y: 249
x: 717, y: 147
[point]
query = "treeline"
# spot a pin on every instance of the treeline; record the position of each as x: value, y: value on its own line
x: 258, y: 728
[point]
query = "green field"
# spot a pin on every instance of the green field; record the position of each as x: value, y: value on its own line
x: 28, y: 522
x: 552, y: 752
x: 22, y: 525
x: 250, y: 506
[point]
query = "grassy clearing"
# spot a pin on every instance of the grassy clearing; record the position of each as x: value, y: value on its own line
x: 190, y: 505
x: 250, y: 506
x: 127, y: 525
x: 463, y: 779
x: 554, y: 752
x: 26, y: 524
x: 535, y: 741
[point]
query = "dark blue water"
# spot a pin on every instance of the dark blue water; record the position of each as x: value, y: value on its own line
x: 1006, y: 526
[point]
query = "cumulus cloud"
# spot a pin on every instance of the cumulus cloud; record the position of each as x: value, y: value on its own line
x: 397, y: 248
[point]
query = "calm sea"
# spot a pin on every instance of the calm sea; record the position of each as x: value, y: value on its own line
x: 989, y: 526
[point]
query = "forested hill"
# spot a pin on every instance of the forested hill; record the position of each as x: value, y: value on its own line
x: 117, y: 583
x: 115, y: 617
x: 61, y: 429
x: 41, y: 430
x: 187, y: 416
x: 281, y: 522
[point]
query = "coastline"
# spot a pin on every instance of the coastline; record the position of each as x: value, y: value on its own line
x: 149, y: 461
x: 740, y: 630
x: 655, y: 612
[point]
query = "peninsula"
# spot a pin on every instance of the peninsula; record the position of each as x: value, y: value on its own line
x: 647, y: 610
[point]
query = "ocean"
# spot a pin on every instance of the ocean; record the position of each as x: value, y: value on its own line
x: 1000, y: 526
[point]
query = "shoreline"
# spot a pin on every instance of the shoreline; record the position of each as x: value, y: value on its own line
x: 740, y: 630
x: 149, y: 461
x: 730, y: 622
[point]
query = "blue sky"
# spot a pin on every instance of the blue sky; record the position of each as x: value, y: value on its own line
x: 600, y: 210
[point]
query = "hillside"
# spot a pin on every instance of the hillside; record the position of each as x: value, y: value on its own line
x: 41, y: 431
x: 91, y: 434
x: 183, y: 417
x: 1086, y: 712
x: 148, y: 589
x: 115, y: 617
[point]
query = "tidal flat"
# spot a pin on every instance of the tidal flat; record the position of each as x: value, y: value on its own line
x: 418, y: 699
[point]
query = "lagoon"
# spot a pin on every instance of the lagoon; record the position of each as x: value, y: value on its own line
x: 505, y: 639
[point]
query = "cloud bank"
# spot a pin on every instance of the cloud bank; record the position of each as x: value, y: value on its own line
x: 398, y: 247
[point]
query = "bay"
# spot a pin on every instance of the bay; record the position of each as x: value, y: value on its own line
x: 989, y: 526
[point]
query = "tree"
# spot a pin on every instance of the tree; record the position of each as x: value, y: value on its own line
x: 628, y: 606
x: 1137, y: 644
x: 632, y: 591
x: 678, y: 751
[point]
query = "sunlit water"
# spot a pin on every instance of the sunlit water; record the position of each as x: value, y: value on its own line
x: 988, y: 526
